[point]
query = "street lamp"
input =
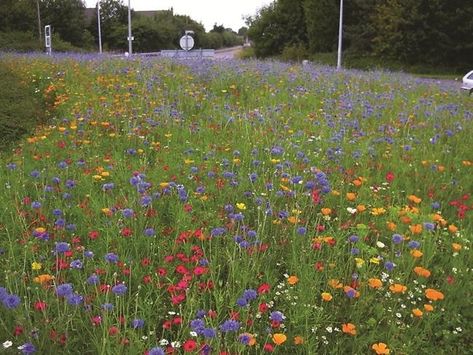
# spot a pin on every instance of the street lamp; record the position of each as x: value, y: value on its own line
x: 339, y: 57
x: 98, y: 24
x: 130, y: 38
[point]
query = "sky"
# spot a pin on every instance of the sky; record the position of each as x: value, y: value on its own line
x: 228, y: 13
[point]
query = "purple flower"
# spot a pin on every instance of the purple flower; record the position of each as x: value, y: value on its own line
x: 250, y: 294
x: 127, y: 213
x: 397, y: 238
x: 230, y: 326
x: 76, y: 264
x: 149, y: 232
x: 413, y: 244
x: 111, y: 258
x: 74, y: 299
x: 35, y: 204
x: 429, y: 226
x: 242, y: 302
x: 27, y: 348
x: 11, y: 301
x: 93, y: 280
x: 156, y: 351
x: 209, y: 333
x: 137, y: 323
x: 353, y: 238
x: 301, y: 230
x: 119, y: 289
x: 389, y: 265
x: 277, y: 316
x: 63, y: 290
x: 62, y: 247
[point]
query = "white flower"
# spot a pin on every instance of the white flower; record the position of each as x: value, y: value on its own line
x: 329, y: 329
x: 163, y: 342
x: 193, y: 334
x: 176, y: 344
x: 7, y: 344
x: 351, y: 210
x: 380, y: 244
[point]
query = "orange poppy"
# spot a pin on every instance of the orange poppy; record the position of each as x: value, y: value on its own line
x: 433, y: 294
x: 380, y: 348
x: 419, y: 270
x: 456, y: 247
x: 416, y: 253
x: 351, y: 196
x: 326, y: 211
x: 417, y: 312
x: 398, y: 288
x: 416, y: 228
x: 292, y: 280
x: 349, y: 328
x: 326, y: 296
x: 279, y: 338
x: 428, y: 307
x: 298, y: 340
x: 375, y: 283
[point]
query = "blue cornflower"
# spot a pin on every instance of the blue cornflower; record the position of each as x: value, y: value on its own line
x: 389, y: 265
x: 353, y: 238
x: 197, y: 325
x: 209, y: 333
x: 63, y: 290
x: 127, y: 213
x: 11, y: 301
x: 200, y: 313
x: 27, y: 348
x: 429, y: 226
x: 107, y: 306
x: 137, y: 323
x: 230, y: 326
x: 250, y: 294
x: 146, y: 201
x: 301, y: 230
x: 70, y: 184
x: 355, y: 251
x: 119, y: 289
x: 74, y: 299
x: 111, y: 257
x: 35, y: 174
x: 35, y: 204
x: 277, y: 316
x: 149, y: 232
x: 244, y: 339
x: 156, y: 351
x: 93, y: 279
x: 76, y: 264
x: 413, y: 244
x: 88, y: 254
x: 242, y: 302
x: 397, y: 238
x: 218, y: 231
x: 62, y: 247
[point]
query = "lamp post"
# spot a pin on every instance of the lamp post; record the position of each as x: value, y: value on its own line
x: 130, y: 38
x: 39, y: 20
x: 98, y: 24
x: 340, y: 27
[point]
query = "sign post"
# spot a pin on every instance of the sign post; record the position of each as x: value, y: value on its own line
x: 47, y: 39
x: 186, y: 41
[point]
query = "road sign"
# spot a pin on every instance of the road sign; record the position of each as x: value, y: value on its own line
x: 186, y: 42
x: 47, y: 38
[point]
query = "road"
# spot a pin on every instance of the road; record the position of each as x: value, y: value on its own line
x: 228, y: 53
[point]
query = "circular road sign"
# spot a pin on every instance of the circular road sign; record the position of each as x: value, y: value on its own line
x: 186, y: 42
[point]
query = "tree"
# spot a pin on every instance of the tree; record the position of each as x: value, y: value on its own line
x: 66, y: 17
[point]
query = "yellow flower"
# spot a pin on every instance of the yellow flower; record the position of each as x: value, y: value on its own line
x: 36, y: 266
x: 359, y: 262
x: 241, y: 206
x: 378, y: 211
x: 279, y: 338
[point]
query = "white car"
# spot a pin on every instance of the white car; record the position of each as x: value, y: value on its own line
x: 468, y: 82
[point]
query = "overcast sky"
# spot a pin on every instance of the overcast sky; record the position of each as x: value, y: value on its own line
x: 227, y: 12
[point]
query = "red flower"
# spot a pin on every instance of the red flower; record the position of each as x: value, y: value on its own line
x: 17, y: 331
x: 389, y: 176
x: 189, y: 345
x: 126, y: 232
x: 113, y: 330
x: 200, y: 270
x: 93, y: 235
x: 263, y: 307
x: 264, y: 288
x: 40, y: 306
x: 316, y: 197
x: 268, y: 347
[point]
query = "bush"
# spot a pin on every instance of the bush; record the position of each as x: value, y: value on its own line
x: 294, y: 52
x: 19, y: 42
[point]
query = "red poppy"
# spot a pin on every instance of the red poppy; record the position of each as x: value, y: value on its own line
x: 189, y: 345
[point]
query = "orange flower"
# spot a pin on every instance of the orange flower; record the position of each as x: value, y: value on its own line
x: 380, y: 348
x: 298, y: 340
x: 456, y: 247
x: 357, y: 182
x: 419, y: 270
x: 416, y: 253
x: 326, y: 211
x: 279, y: 338
x: 334, y: 283
x: 434, y: 295
x: 414, y: 198
x: 375, y: 283
x: 292, y: 280
x: 428, y: 307
x: 417, y: 312
x: 349, y: 328
x: 398, y: 288
x: 406, y: 219
x: 361, y: 208
x: 43, y: 278
x: 452, y: 228
x: 327, y: 297
x: 391, y: 226
x: 416, y: 228
x: 351, y: 196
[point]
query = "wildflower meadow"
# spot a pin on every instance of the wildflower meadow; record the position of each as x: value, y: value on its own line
x: 236, y: 207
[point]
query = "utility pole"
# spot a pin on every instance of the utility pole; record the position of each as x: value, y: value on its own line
x: 130, y: 38
x: 98, y: 23
x: 340, y: 30
x: 39, y: 21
